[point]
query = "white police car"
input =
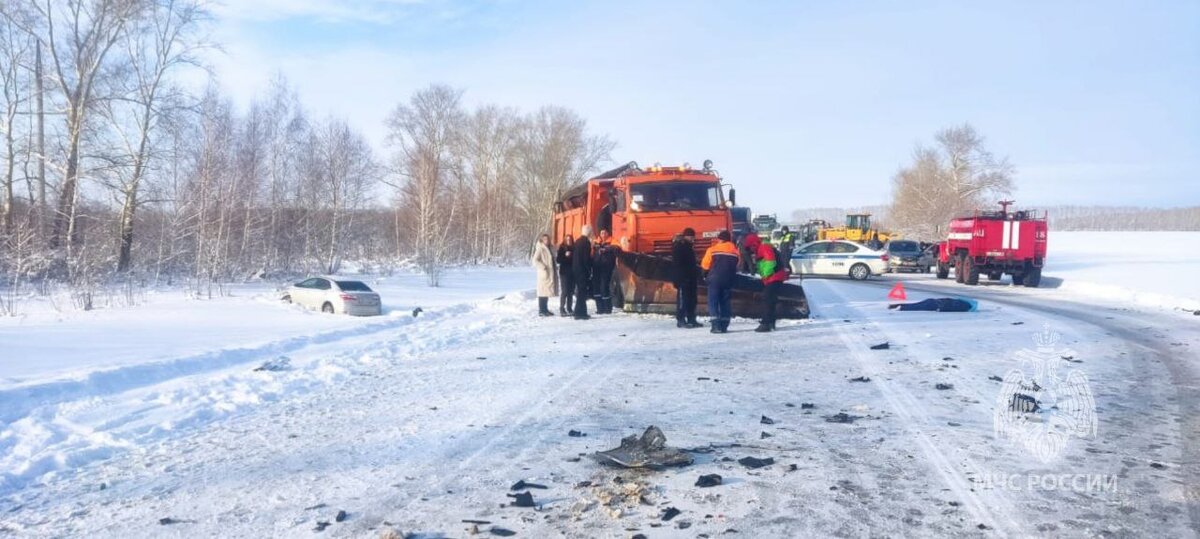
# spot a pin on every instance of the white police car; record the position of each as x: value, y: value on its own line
x: 838, y: 257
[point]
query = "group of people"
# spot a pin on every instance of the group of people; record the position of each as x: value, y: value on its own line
x: 720, y: 267
x: 585, y: 268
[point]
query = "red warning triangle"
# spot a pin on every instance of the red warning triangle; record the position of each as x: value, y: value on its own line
x: 898, y: 292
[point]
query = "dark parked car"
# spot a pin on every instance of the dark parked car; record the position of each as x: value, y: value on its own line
x: 907, y: 255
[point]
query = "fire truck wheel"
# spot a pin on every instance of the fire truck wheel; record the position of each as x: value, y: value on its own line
x: 860, y: 272
x: 943, y: 270
x: 1018, y: 278
x: 972, y: 274
x: 1033, y: 278
x: 960, y: 268
x: 994, y: 276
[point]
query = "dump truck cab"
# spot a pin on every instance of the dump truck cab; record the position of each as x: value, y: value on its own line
x: 643, y: 210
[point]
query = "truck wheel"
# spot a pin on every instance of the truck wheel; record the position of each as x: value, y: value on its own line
x: 860, y: 272
x: 1018, y: 278
x: 994, y: 275
x: 943, y: 270
x: 972, y: 274
x: 960, y: 270
x: 1033, y: 278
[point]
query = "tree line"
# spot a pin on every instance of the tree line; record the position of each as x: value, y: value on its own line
x: 117, y: 166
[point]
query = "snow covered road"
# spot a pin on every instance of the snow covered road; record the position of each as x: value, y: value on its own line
x: 420, y: 424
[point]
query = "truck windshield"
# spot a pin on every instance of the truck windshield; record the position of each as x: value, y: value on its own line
x: 676, y: 196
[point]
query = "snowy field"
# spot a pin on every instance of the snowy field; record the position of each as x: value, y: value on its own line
x: 1148, y: 268
x: 153, y: 420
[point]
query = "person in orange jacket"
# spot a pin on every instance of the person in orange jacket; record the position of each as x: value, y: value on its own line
x: 773, y: 272
x: 721, y: 264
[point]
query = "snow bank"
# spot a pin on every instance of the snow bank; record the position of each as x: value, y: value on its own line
x: 1156, y: 269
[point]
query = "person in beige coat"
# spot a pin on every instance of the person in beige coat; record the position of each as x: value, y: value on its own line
x: 543, y: 261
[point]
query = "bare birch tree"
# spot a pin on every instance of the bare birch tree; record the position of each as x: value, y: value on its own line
x: 955, y: 176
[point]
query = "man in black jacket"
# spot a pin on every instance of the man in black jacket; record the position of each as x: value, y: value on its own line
x: 685, y: 275
x: 581, y: 268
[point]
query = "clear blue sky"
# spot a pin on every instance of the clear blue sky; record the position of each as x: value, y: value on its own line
x: 800, y: 104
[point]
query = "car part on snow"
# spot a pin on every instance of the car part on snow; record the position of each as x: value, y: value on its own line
x: 766, y: 420
x: 842, y: 417
x: 670, y: 513
x: 340, y: 516
x: 944, y: 387
x: 881, y: 346
x: 522, y: 485
x: 417, y: 311
x: 502, y: 532
x: 522, y: 499
x: 648, y: 451
x: 708, y: 480
x: 576, y: 434
x: 860, y: 379
x: 755, y: 463
x: 281, y: 363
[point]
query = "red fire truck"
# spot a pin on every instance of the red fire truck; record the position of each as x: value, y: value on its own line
x: 993, y: 243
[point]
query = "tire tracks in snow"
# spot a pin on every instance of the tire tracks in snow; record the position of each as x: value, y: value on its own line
x: 988, y: 507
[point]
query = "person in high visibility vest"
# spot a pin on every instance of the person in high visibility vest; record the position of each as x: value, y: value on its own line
x: 721, y: 264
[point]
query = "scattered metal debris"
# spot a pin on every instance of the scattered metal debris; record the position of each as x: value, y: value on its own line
x: 576, y: 434
x: 522, y: 485
x: 944, y: 387
x: 881, y: 346
x: 670, y: 513
x: 842, y: 417
x: 754, y: 463
x: 708, y: 480
x: 860, y: 379
x: 522, y: 499
x: 648, y: 451
x: 766, y: 420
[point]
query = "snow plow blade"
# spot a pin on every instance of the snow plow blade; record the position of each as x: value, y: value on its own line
x: 645, y: 286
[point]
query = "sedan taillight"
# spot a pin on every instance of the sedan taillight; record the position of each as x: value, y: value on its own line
x: 883, y: 257
x: 347, y: 297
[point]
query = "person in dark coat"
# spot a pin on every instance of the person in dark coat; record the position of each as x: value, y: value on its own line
x: 721, y: 262
x: 566, y: 277
x: 604, y: 262
x: 685, y: 275
x: 581, y: 269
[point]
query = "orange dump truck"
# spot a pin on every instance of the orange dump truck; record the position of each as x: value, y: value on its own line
x: 643, y: 210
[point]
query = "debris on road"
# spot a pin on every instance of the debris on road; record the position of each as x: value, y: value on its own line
x: 755, y: 463
x: 842, y: 417
x: 522, y: 485
x: 1023, y: 403
x: 670, y: 513
x: 417, y: 311
x: 860, y: 379
x: 281, y: 363
x: 995, y: 378
x: 648, y: 451
x: 340, y: 516
x: 522, y: 499
x: 881, y: 346
x: 502, y: 532
x: 576, y: 434
x: 944, y: 387
x: 708, y: 480
x: 766, y: 420
x: 807, y: 406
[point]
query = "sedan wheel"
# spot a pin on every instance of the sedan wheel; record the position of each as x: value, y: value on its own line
x: 860, y: 272
x: 327, y: 308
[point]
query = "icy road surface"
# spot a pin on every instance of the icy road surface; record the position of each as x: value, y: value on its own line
x: 424, y: 423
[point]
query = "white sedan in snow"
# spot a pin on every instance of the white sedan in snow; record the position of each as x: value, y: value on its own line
x: 838, y: 257
x: 333, y: 295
